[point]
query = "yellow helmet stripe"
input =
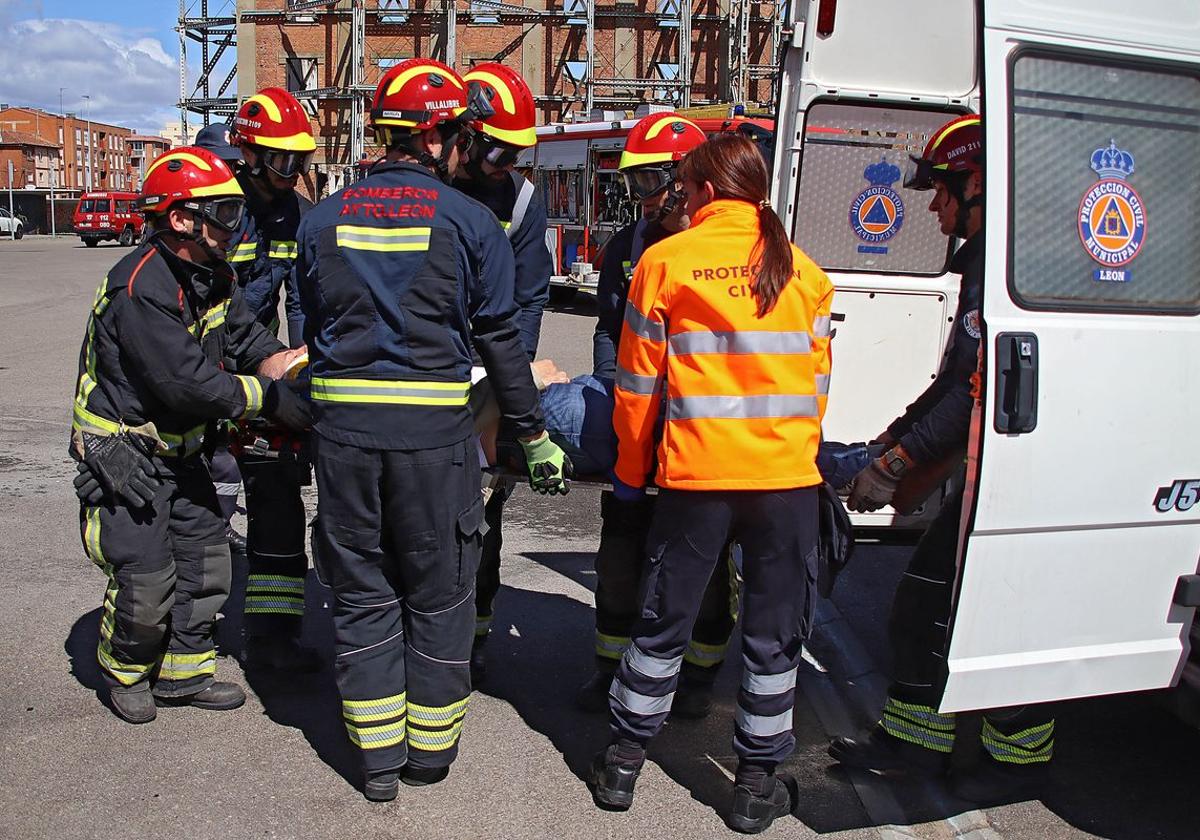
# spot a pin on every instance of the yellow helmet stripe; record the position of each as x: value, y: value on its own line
x: 411, y: 72
x: 301, y: 142
x: 954, y: 126
x: 170, y: 156
x: 506, y: 96
x: 631, y: 159
x: 666, y: 121
x: 524, y: 137
x: 230, y: 187
x: 268, y: 105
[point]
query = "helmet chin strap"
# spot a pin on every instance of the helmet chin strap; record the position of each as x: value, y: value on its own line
x: 440, y: 164
x: 963, y: 216
x: 674, y: 194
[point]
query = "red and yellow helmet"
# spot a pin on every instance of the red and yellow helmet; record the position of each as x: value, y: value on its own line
x: 515, y: 119
x: 199, y: 179
x: 954, y: 149
x: 660, y: 138
x: 273, y: 119
x: 416, y: 95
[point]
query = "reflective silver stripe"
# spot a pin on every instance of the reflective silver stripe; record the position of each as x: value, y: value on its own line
x: 741, y: 343
x: 822, y: 383
x: 766, y: 684
x: 643, y: 326
x: 636, y: 383
x: 764, y: 726
x: 652, y: 666
x: 383, y: 239
x: 822, y: 325
x: 763, y: 405
x: 227, y: 488
x: 640, y: 704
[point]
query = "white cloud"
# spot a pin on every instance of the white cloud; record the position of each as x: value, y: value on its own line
x: 130, y: 78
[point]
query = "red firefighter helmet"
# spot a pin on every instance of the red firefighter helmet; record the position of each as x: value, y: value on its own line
x: 273, y: 119
x: 653, y: 149
x: 416, y: 95
x: 954, y: 149
x: 200, y: 179
x: 515, y: 119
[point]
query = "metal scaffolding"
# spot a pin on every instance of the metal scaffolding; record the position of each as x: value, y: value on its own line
x: 213, y: 26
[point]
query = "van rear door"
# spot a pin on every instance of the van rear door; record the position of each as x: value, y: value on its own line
x: 1085, y: 513
x: 863, y: 87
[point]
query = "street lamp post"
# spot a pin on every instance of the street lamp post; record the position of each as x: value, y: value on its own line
x: 87, y: 113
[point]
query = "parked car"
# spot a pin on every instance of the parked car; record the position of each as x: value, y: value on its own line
x: 102, y: 216
x: 9, y: 226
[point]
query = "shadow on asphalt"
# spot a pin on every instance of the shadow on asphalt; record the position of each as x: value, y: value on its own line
x: 80, y: 647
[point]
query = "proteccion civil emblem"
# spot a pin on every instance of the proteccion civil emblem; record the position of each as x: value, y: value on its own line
x: 1112, y: 217
x: 877, y: 213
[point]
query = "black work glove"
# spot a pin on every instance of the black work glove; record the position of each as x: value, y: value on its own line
x: 116, y: 467
x: 286, y: 407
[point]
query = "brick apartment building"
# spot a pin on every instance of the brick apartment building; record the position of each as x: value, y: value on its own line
x: 101, y: 159
x: 144, y: 149
x: 636, y: 41
x: 35, y: 160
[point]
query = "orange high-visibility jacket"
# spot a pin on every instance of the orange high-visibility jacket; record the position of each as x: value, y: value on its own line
x: 745, y: 395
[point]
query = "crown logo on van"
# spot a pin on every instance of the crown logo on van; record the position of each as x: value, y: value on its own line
x: 882, y: 174
x: 1112, y: 162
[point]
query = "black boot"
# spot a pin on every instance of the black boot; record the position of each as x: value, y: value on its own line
x: 237, y: 543
x: 993, y: 782
x: 420, y: 776
x: 755, y: 806
x: 592, y: 696
x: 218, y: 697
x: 279, y: 653
x: 382, y: 787
x: 613, y: 775
x: 134, y: 704
x: 478, y: 661
x: 877, y: 750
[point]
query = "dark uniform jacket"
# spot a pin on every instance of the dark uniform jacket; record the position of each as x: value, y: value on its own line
x: 263, y: 251
x: 612, y: 291
x: 151, y: 360
x: 531, y: 288
x: 940, y: 419
x: 399, y: 276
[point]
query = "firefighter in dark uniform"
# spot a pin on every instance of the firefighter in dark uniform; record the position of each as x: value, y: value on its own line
x: 150, y: 382
x: 486, y: 175
x: 274, y: 136
x: 651, y: 155
x: 400, y: 277
x: 912, y: 736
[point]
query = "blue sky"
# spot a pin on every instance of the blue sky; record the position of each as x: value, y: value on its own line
x: 123, y: 53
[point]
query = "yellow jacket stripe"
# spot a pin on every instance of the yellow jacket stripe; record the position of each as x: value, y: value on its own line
x: 390, y: 392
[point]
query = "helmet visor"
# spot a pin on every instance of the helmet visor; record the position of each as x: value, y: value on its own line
x: 919, y: 174
x: 225, y: 213
x: 286, y: 164
x: 498, y: 154
x: 646, y: 181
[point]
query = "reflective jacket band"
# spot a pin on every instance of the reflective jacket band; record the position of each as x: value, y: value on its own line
x: 643, y: 326
x: 822, y: 383
x: 243, y: 252
x: 741, y: 343
x: 822, y: 325
x: 362, y: 238
x: 283, y: 250
x: 742, y: 408
x: 390, y: 392
x: 637, y: 384
x: 254, y: 394
x: 214, y: 318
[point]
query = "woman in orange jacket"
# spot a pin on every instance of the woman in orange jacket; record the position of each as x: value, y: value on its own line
x: 729, y: 323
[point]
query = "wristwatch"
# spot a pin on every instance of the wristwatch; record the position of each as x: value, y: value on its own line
x: 896, y: 461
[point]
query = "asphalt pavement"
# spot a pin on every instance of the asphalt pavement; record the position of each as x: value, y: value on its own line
x: 282, y: 767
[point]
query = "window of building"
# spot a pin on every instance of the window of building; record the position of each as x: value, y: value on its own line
x: 60, y: 135
x: 484, y: 12
x: 576, y: 71
x: 1103, y: 202
x: 670, y: 11
x: 393, y: 11
x: 576, y: 11
x: 668, y: 71
x: 78, y: 137
x: 301, y: 76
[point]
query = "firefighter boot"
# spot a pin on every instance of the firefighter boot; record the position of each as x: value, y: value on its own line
x: 421, y: 776
x: 614, y: 773
x: 993, y: 782
x: 280, y: 653
x: 877, y: 750
x: 134, y: 704
x: 218, y: 697
x: 758, y: 798
x: 592, y: 696
x: 382, y: 787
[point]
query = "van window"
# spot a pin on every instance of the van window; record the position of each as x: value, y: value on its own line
x: 122, y: 207
x: 1105, y: 188
x: 852, y: 210
x: 94, y: 205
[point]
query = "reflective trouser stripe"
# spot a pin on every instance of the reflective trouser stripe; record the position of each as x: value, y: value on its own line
x: 372, y: 711
x: 227, y: 488
x: 185, y: 666
x: 920, y: 725
x: 437, y: 715
x: 434, y: 741
x: 769, y: 684
x: 743, y: 407
x: 640, y: 704
x: 275, y: 594
x: 651, y: 666
x: 377, y: 737
x: 483, y: 625
x: 390, y: 392
x: 705, y: 656
x: 1029, y: 746
x: 126, y: 673
x: 611, y: 647
x: 763, y: 726
x: 435, y: 728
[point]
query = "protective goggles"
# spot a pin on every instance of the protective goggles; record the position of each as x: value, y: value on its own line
x: 285, y: 164
x: 646, y: 181
x: 919, y: 174
x: 225, y: 213
x: 492, y: 151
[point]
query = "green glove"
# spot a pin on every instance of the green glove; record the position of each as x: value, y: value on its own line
x: 549, y: 466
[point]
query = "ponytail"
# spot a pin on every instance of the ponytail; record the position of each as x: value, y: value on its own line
x: 734, y: 166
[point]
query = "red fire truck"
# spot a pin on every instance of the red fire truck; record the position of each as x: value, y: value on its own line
x: 102, y: 216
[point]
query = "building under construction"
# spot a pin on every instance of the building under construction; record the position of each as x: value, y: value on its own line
x: 580, y: 57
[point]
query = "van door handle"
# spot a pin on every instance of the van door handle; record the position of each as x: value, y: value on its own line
x: 1016, y: 383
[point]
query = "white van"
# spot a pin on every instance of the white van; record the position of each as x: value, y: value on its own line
x: 1081, y: 529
